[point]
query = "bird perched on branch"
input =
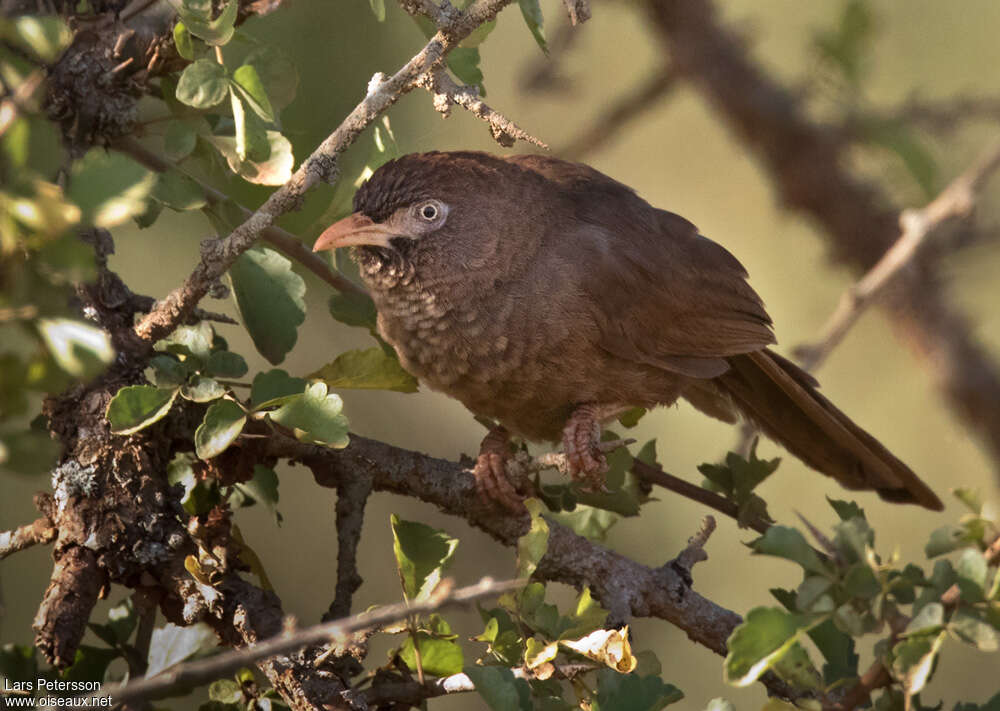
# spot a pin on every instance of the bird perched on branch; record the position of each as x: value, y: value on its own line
x: 552, y: 298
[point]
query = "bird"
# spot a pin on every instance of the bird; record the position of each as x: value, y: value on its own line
x: 552, y: 298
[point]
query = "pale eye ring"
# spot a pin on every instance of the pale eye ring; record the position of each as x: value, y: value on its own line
x: 428, y: 211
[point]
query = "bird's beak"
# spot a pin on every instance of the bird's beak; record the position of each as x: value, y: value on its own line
x: 354, y: 230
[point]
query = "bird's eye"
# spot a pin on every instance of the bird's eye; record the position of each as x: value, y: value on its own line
x: 429, y: 211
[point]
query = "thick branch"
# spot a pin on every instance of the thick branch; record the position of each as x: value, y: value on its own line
x: 625, y: 588
x: 806, y: 162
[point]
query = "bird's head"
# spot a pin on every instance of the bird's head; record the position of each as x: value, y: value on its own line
x: 427, y: 207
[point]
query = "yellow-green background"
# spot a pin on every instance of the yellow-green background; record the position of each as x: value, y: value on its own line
x: 679, y: 157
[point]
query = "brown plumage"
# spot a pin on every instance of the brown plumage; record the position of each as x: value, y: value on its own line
x: 550, y: 297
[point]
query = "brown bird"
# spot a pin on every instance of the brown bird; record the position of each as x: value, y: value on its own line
x: 552, y: 298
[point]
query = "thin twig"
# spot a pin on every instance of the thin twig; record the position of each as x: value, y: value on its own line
x: 204, y: 671
x: 655, y: 475
x: 26, y: 536
x: 955, y: 201
x: 446, y: 93
x: 623, y: 111
x: 322, y: 165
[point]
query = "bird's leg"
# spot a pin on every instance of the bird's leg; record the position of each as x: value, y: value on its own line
x: 491, y: 471
x: 582, y: 439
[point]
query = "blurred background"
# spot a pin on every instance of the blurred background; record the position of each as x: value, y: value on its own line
x: 680, y: 157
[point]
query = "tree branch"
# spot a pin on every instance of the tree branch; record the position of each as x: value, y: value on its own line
x: 39, y: 531
x: 204, y: 671
x: 955, y: 201
x: 806, y: 162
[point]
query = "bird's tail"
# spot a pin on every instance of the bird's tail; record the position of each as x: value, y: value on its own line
x: 783, y: 401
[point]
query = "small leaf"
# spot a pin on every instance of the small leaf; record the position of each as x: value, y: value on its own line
x: 251, y: 136
x: 178, y: 192
x: 136, y: 407
x: 222, y: 424
x: 276, y: 170
x: 633, y: 692
x: 371, y: 369
x: 262, y: 488
x: 969, y: 626
x: 972, y: 569
x: 846, y: 510
x: 197, y: 17
x: 90, y: 663
x: 226, y: 364
x: 271, y: 300
x: 929, y: 619
x: 785, y: 542
x: 947, y: 539
x: 440, y: 657
x: 274, y: 385
x: 78, y: 348
x: 464, y: 62
x: 109, y: 187
x: 914, y: 660
x: 46, y: 36
x: 500, y: 689
x: 171, y: 645
x: 203, y: 84
x: 755, y: 646
x: 537, y: 653
x: 277, y: 74
x: 202, y: 389
x: 422, y: 553
x: 532, y: 12
x: 194, y: 342
x: 249, y: 84
x: 225, y: 691
x: 354, y: 310
x: 531, y: 547
x: 183, y: 42
x: 315, y: 417
x: 179, y: 140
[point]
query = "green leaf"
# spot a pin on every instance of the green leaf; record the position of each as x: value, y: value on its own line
x: 500, y: 689
x: 846, y: 46
x: 199, y: 496
x: 167, y: 372
x: 183, y: 42
x: 464, y: 62
x: 532, y: 12
x: 203, y: 84
x: 531, y: 547
x: 273, y: 386
x: 223, y: 422
x: 630, y: 418
x: 633, y: 692
x: 372, y: 369
x: 178, y: 192
x: 913, y: 660
x: 136, y: 407
x: 46, y: 36
x: 194, y: 342
x: 248, y: 82
x: 786, y: 542
x: 226, y: 364
x: 972, y: 569
x: 947, y: 539
x: 838, y: 650
x: 315, y: 417
x: 78, y: 348
x: 972, y: 498
x: 354, y: 310
x: 18, y: 663
x: 197, y: 16
x: 846, y: 510
x: 225, y: 691
x: 171, y: 645
x: 969, y: 625
x: 271, y: 300
x: 262, y: 488
x: 378, y: 9
x: 179, y: 140
x: 110, y: 188
x: 275, y: 170
x: 929, y: 619
x: 440, y: 657
x: 90, y: 663
x: 766, y: 635
x: 251, y: 136
x: 587, y: 521
x: 202, y: 389
x: 422, y: 553
x: 277, y: 74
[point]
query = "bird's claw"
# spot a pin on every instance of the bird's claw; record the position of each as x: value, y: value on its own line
x: 585, y: 458
x: 490, y: 471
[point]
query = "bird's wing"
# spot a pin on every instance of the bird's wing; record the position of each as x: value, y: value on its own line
x: 660, y: 293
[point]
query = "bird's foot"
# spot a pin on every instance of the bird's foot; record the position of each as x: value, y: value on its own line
x: 581, y: 441
x: 490, y: 471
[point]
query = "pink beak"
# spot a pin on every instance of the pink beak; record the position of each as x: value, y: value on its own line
x: 354, y: 230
